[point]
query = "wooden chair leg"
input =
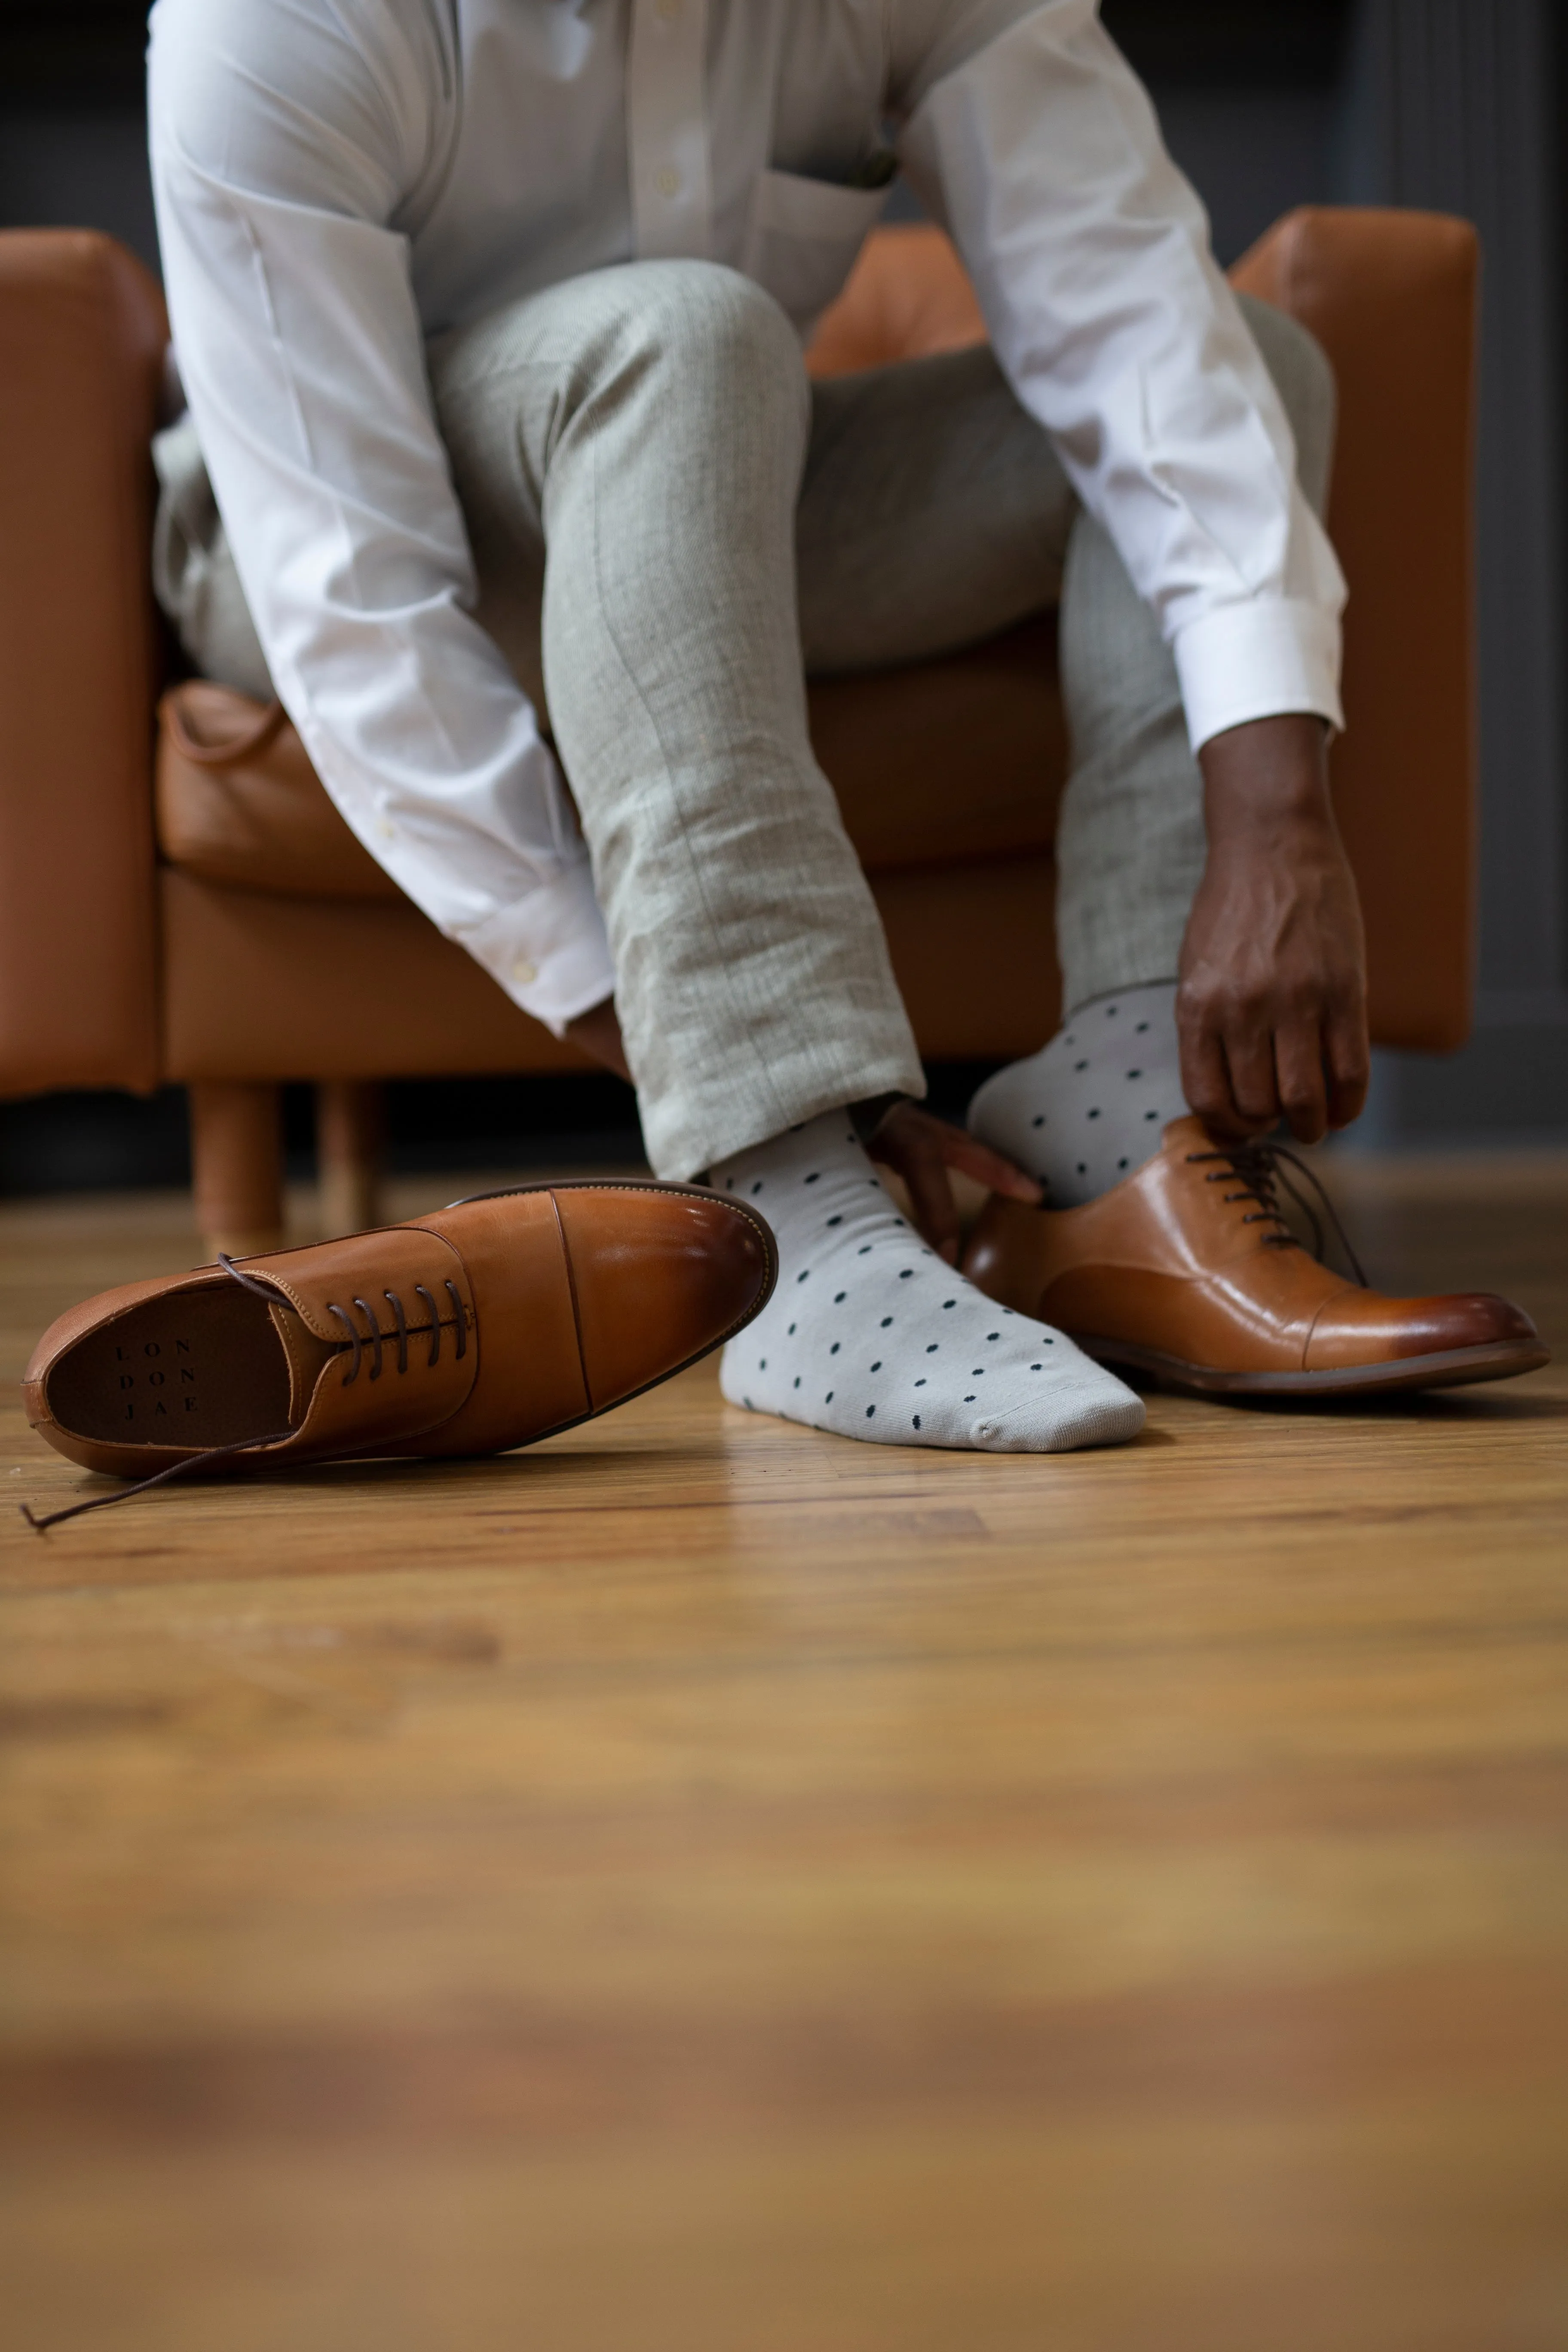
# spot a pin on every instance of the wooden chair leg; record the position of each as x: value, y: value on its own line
x: 351, y: 1119
x: 236, y: 1155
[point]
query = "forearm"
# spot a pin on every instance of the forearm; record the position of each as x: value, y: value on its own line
x: 317, y: 429
x: 1116, y: 329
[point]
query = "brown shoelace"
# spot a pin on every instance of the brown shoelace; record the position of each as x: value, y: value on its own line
x: 371, y: 1338
x: 1259, y: 1168
x: 404, y: 1331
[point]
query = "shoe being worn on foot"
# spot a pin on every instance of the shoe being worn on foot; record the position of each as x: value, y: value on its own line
x: 1187, y: 1273
x: 474, y: 1329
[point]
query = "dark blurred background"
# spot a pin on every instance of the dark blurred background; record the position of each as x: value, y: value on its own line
x: 1450, y: 104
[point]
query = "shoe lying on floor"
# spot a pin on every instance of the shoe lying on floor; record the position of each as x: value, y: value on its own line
x: 1187, y: 1273
x: 479, y: 1328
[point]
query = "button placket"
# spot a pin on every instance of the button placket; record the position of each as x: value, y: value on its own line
x: 667, y: 130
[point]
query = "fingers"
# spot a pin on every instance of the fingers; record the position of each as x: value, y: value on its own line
x: 1302, y: 1081
x: 972, y: 1157
x: 908, y: 1142
x: 1206, y: 1070
x: 1242, y: 1075
x: 935, y: 1211
x: 1244, y: 1081
x: 922, y: 1149
x: 1349, y: 1058
x: 910, y: 1129
x: 1254, y: 1085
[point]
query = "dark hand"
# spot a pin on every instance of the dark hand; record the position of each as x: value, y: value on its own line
x: 1271, y: 1009
x: 921, y: 1148
x: 598, y: 1031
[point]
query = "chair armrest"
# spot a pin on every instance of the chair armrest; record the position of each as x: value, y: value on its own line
x: 1392, y: 297
x: 82, y: 334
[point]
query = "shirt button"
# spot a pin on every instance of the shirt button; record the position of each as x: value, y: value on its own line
x: 386, y: 829
x: 666, y: 180
x: 522, y: 972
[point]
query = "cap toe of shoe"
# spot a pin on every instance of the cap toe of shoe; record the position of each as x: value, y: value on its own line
x: 1362, y: 1326
x: 659, y: 1277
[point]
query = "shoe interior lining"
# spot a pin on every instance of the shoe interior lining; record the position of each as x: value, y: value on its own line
x: 191, y: 1367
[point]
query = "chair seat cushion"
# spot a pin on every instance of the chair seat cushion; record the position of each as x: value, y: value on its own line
x: 947, y: 761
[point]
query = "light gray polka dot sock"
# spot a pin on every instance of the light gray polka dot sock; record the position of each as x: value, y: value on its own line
x: 1091, y: 1107
x: 871, y: 1335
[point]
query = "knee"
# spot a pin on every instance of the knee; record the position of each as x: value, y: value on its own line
x: 712, y: 334
x: 1304, y: 378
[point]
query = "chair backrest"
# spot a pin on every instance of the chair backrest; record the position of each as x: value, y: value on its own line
x: 82, y: 337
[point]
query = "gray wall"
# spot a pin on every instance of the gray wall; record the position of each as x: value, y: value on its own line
x: 61, y: 169
x: 1455, y: 105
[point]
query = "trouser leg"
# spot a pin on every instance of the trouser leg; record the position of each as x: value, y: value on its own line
x: 934, y: 513
x: 628, y: 450
x: 651, y: 422
x: 1130, y: 844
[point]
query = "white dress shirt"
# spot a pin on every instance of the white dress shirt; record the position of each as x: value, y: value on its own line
x: 337, y: 180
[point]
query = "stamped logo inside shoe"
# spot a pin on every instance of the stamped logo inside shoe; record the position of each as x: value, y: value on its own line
x: 197, y: 1368
x: 151, y: 1390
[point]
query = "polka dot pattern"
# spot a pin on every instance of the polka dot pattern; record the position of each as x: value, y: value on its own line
x: 1089, y: 1110
x: 881, y: 1335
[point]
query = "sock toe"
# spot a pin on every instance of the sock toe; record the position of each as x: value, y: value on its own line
x: 1103, y: 1412
x: 870, y: 1336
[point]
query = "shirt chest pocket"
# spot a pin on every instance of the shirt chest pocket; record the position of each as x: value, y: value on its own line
x: 802, y: 238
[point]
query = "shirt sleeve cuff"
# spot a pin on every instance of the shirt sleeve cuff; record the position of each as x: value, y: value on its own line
x: 550, y: 952
x: 1258, y: 661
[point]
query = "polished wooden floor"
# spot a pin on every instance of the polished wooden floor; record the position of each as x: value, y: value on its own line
x: 701, y: 1886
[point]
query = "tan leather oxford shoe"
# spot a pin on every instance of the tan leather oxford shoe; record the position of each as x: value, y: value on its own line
x: 477, y: 1329
x: 1187, y: 1273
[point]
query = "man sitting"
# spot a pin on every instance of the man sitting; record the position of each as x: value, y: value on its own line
x: 489, y: 316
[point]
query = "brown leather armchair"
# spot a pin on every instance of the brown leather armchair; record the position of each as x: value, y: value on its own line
x: 180, y: 901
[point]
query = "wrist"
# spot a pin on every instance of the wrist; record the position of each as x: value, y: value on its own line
x: 1271, y: 773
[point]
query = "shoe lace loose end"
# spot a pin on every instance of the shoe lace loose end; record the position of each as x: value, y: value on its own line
x: 171, y: 1470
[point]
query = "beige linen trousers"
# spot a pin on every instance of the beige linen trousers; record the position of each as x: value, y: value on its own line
x: 671, y: 528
